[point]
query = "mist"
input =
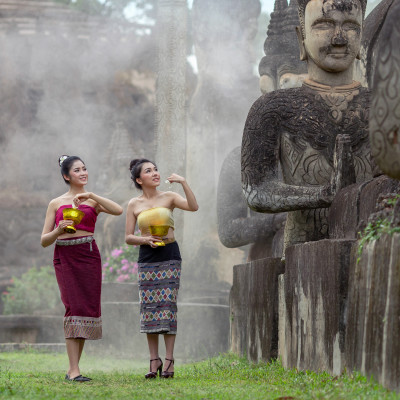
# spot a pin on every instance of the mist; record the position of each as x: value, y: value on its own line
x: 82, y: 85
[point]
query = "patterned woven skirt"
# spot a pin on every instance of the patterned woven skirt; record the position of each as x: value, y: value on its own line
x: 78, y: 272
x: 159, y: 274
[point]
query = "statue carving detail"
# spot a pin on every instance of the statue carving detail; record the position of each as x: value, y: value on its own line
x: 385, y: 115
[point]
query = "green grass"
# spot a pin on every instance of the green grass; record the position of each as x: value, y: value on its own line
x: 32, y: 375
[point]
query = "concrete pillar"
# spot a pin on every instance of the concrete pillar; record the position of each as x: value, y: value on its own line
x: 171, y: 94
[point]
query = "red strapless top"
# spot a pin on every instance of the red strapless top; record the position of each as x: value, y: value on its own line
x: 88, y: 221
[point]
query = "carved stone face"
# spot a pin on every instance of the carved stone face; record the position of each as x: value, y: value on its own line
x: 333, y: 33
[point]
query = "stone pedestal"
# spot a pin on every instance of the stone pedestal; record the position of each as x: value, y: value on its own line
x: 373, y: 323
x: 254, y: 309
x: 353, y: 205
x: 313, y: 298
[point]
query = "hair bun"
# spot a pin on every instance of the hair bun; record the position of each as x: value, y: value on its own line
x: 133, y: 163
x: 62, y: 159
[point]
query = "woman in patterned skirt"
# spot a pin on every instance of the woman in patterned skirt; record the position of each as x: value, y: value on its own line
x: 77, y: 260
x: 159, y: 258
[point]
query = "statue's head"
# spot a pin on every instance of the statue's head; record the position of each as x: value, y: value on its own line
x: 330, y: 32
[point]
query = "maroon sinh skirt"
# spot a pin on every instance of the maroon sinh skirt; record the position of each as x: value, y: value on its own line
x: 78, y: 272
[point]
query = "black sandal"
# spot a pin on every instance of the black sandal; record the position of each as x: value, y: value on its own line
x: 151, y: 374
x: 166, y: 374
x: 78, y: 378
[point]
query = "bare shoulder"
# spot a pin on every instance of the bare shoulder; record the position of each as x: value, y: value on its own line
x: 57, y: 202
x: 134, y: 204
x: 169, y: 196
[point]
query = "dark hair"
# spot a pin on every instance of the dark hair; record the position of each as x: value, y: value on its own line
x: 135, y: 167
x: 65, y: 162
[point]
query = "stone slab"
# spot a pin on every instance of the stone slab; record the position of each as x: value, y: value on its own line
x: 373, y: 324
x: 254, y: 309
x: 353, y: 205
x: 312, y: 318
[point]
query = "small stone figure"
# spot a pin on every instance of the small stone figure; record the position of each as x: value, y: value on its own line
x: 296, y: 131
x: 281, y: 67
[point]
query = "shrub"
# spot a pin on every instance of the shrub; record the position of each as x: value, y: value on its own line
x: 35, y: 292
x: 121, y: 265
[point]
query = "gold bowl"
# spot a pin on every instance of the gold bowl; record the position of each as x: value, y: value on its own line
x: 75, y: 215
x: 159, y: 230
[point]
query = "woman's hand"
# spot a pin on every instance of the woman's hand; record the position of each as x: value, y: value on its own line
x: 63, y: 224
x: 151, y: 240
x: 80, y: 198
x: 176, y: 178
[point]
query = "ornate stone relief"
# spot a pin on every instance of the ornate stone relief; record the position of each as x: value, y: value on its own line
x: 385, y: 108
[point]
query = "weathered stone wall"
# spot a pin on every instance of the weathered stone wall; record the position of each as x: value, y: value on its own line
x: 311, y: 320
x: 254, y: 309
x: 352, y: 207
x: 373, y: 317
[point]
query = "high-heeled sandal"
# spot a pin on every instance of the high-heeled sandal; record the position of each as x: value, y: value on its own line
x: 152, y: 374
x: 166, y: 374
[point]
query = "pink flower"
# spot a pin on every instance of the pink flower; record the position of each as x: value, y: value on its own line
x: 121, y: 278
x: 111, y: 269
x: 105, y: 265
x: 124, y: 261
x: 5, y: 292
x: 125, y: 268
x: 116, y: 253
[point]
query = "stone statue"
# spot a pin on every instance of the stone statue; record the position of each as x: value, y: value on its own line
x: 237, y: 224
x: 281, y: 68
x: 316, y: 135
x: 385, y: 105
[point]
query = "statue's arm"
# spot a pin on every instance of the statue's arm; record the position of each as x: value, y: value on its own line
x: 263, y: 188
x: 236, y: 225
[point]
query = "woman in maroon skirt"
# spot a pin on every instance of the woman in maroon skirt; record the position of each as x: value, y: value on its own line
x: 77, y: 260
x: 159, y: 258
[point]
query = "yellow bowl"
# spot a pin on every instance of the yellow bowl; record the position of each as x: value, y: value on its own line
x: 75, y: 215
x: 159, y: 230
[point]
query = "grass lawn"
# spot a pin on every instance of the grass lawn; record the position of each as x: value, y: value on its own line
x: 32, y: 375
